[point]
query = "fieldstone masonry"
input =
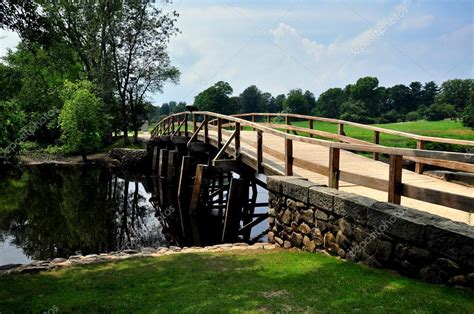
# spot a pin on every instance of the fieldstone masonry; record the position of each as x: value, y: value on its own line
x: 316, y: 218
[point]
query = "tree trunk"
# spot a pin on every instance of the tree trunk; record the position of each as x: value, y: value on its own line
x: 135, y: 135
x: 84, y: 157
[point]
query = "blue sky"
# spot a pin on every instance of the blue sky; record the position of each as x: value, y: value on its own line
x: 315, y: 45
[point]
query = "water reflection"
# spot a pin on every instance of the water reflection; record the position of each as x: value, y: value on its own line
x: 58, y: 211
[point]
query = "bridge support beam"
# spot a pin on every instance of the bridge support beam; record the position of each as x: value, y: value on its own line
x: 395, y: 179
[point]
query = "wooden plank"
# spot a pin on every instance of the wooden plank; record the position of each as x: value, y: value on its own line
x: 183, y: 175
x: 219, y: 133
x: 253, y: 223
x: 163, y: 164
x: 201, y: 171
x: 237, y: 140
x: 395, y: 179
x: 419, y: 166
x: 186, y: 125
x: 172, y: 159
x: 226, y: 145
x: 376, y: 142
x: 455, y: 165
x: 288, y: 157
x: 259, y: 151
x: 237, y: 197
x: 206, y: 129
x: 457, y: 201
x: 155, y: 159
x: 333, y: 173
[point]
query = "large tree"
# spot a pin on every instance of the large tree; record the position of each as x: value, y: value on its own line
x: 216, y: 99
x: 251, y: 100
x: 329, y: 103
x: 456, y: 92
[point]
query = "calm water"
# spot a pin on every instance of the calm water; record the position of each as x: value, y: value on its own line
x: 58, y: 211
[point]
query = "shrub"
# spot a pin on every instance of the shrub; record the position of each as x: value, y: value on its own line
x: 468, y: 114
x: 412, y: 116
x: 79, y: 119
x: 439, y: 111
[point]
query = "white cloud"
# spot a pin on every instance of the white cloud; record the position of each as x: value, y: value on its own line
x: 8, y: 40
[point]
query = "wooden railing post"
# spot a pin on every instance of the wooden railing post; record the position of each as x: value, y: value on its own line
x: 259, y: 151
x: 395, y: 179
x: 206, y: 129
x: 269, y: 119
x: 253, y: 120
x: 237, y: 140
x: 288, y: 157
x: 311, y: 127
x: 419, y: 166
x: 178, y: 120
x: 287, y: 122
x: 340, y: 129
x: 219, y: 133
x: 333, y: 176
x: 194, y: 122
x: 186, y: 125
x: 376, y: 141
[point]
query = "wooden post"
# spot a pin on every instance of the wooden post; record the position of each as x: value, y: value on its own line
x: 419, y: 166
x: 198, y: 182
x: 185, y: 167
x: 219, y: 133
x: 237, y: 140
x: 311, y: 127
x: 194, y: 123
x: 376, y: 141
x: 340, y: 129
x: 154, y: 163
x: 206, y: 129
x: 288, y: 157
x: 253, y: 120
x: 186, y: 125
x: 287, y: 122
x: 269, y: 119
x: 395, y: 179
x: 238, y: 197
x: 163, y: 165
x: 333, y: 176
x: 172, y: 156
x: 179, y: 125
x: 259, y: 151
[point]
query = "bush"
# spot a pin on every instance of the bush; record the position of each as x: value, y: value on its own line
x: 439, y: 111
x: 79, y: 119
x: 391, y: 116
x: 11, y: 134
x: 412, y: 116
x: 468, y: 114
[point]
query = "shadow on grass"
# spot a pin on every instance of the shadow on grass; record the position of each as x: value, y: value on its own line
x: 250, y: 281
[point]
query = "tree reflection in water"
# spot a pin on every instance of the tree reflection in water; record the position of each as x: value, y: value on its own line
x: 58, y: 211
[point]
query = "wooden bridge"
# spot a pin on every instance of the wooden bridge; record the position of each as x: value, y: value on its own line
x: 334, y: 159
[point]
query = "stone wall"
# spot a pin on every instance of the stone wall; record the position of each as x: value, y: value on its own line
x: 316, y: 218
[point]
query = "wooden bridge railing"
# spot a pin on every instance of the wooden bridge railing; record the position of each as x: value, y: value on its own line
x: 178, y: 124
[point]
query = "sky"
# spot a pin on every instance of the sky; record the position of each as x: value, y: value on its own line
x: 314, y: 45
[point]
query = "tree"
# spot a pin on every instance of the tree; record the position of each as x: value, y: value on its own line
x: 438, y: 111
x: 138, y: 37
x: 398, y: 98
x: 251, y: 100
x: 367, y: 92
x: 79, y: 119
x: 430, y: 91
x: 456, y: 92
x: 310, y: 100
x: 329, y: 103
x: 11, y: 122
x: 296, y: 102
x: 355, y: 111
x: 216, y: 99
x: 468, y: 114
x: 279, y: 103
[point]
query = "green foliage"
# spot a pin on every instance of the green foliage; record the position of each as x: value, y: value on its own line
x: 440, y: 111
x: 245, y: 281
x: 216, y: 99
x: 412, y: 116
x: 329, y: 103
x: 79, y: 118
x: 456, y: 92
x: 11, y: 122
x: 468, y: 114
x: 355, y: 111
x: 296, y: 102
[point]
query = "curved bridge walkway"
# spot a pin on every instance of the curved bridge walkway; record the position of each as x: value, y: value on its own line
x: 333, y: 159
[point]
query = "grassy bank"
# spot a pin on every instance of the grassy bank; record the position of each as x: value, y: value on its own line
x: 242, y: 280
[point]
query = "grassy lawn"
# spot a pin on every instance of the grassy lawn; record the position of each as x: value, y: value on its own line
x: 273, y: 281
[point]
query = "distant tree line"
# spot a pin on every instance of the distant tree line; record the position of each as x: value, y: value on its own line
x: 364, y: 102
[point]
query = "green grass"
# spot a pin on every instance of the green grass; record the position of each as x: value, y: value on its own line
x: 245, y: 281
x: 121, y: 144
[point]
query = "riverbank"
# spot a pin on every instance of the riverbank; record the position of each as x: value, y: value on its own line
x: 245, y: 280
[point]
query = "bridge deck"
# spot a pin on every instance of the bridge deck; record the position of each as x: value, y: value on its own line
x: 358, y: 164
